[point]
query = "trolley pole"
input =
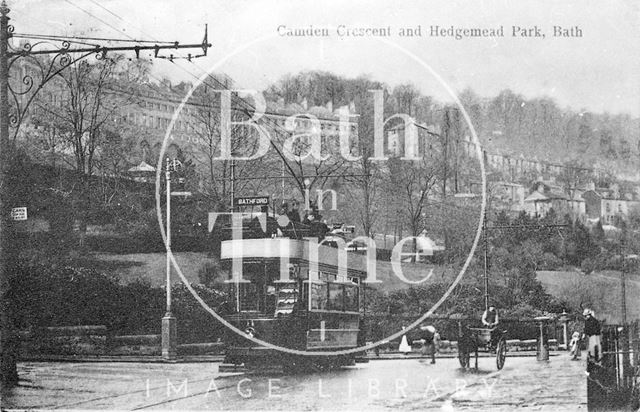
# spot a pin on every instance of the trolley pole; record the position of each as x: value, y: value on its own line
x: 486, y: 262
x: 232, y: 171
x: 169, y: 329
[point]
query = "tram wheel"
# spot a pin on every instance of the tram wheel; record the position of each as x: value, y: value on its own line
x: 501, y: 353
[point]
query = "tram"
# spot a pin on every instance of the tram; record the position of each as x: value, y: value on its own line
x: 316, y: 306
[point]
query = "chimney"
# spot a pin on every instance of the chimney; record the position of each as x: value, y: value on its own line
x: 615, y: 191
x: 166, y: 83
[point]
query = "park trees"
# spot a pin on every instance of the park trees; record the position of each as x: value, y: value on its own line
x: 215, y: 172
x: 83, y: 120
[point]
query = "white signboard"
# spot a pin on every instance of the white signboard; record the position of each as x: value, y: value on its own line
x: 19, y: 213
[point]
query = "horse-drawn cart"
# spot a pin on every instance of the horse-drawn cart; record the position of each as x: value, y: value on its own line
x: 475, y: 340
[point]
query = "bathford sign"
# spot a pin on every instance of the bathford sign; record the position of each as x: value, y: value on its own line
x: 251, y: 201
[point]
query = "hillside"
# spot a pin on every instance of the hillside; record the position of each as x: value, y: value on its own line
x: 151, y: 267
x: 600, y: 290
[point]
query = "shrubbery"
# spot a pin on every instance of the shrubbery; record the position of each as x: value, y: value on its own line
x: 63, y: 296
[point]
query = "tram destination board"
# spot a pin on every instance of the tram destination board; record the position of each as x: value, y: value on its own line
x: 251, y: 201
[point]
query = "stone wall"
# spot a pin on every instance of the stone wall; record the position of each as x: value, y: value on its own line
x: 94, y: 340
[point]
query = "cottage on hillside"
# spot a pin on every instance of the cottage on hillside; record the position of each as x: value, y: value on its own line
x: 546, y: 196
x: 606, y: 204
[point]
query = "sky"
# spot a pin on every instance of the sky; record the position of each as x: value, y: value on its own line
x: 597, y: 72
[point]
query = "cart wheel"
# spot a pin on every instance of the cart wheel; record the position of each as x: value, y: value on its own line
x: 501, y: 353
x: 463, y: 357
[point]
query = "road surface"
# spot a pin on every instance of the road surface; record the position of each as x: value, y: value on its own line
x: 398, y: 384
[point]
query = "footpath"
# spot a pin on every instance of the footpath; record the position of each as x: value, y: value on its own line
x: 371, y: 356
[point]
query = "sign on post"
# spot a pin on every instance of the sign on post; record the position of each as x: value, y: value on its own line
x: 19, y: 213
x: 252, y: 201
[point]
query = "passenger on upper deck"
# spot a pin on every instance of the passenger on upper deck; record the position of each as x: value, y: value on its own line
x: 257, y: 228
x: 314, y: 220
x: 294, y: 213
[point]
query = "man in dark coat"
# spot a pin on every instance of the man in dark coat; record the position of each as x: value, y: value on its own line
x: 430, y: 338
x: 592, y: 331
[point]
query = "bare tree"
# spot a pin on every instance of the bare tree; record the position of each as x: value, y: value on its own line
x: 366, y: 182
x: 88, y: 96
x: 215, y: 172
x: 412, y: 182
x: 308, y: 172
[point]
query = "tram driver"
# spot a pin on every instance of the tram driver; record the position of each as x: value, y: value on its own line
x: 491, y: 319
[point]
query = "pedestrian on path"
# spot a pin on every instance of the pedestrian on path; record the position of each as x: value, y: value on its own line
x: 574, y: 345
x: 592, y: 331
x: 430, y: 341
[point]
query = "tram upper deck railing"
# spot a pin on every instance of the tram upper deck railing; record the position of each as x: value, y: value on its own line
x: 299, y: 251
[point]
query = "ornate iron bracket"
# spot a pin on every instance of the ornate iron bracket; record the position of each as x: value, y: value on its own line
x: 58, y: 54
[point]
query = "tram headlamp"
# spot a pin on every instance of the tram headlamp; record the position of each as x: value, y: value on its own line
x: 294, y: 270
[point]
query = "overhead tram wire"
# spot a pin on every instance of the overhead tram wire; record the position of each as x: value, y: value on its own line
x: 44, y: 38
x: 124, y: 20
x: 99, y: 19
x: 156, y: 48
x: 275, y: 124
x: 54, y: 37
x: 271, y: 142
x: 248, y: 105
x: 110, y: 12
x: 170, y: 58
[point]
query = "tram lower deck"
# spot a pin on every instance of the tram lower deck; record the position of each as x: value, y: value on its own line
x: 313, y: 307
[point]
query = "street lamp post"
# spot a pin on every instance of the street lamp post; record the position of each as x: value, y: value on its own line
x: 564, y: 318
x: 69, y: 52
x: 169, y: 328
x: 8, y: 347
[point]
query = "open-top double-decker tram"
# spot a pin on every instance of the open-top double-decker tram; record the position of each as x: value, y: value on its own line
x: 295, y: 293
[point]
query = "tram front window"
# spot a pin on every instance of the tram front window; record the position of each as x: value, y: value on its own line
x: 333, y: 296
x: 351, y: 298
x: 336, y: 297
x: 319, y: 296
